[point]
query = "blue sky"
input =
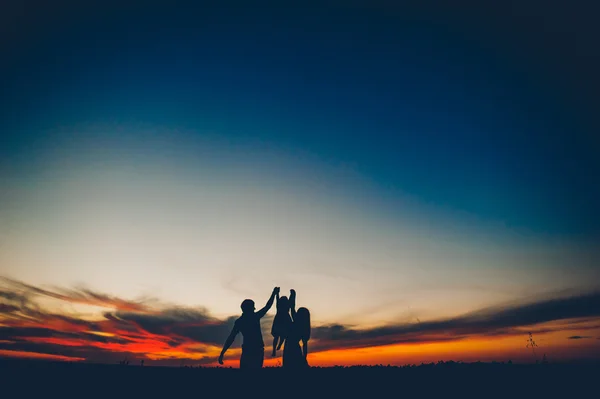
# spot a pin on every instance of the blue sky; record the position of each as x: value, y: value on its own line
x: 465, y: 129
x: 431, y: 104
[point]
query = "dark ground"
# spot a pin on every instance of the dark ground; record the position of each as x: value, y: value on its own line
x: 454, y: 380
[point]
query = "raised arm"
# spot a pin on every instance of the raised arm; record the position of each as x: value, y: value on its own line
x: 234, y: 332
x: 293, y: 303
x: 264, y: 310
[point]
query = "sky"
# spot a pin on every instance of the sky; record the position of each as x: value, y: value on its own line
x: 423, y: 175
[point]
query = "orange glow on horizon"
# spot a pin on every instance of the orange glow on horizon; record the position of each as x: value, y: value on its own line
x: 554, y: 345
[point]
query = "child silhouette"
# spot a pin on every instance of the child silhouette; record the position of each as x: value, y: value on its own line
x: 281, y: 323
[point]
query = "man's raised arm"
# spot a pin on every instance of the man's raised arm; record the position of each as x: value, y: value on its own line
x: 264, y: 310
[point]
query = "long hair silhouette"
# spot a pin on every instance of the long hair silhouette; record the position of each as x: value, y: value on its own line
x: 302, y: 321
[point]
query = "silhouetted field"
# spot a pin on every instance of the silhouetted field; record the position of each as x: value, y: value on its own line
x: 38, y: 378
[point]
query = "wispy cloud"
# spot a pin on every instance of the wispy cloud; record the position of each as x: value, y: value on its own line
x: 167, y: 333
x: 82, y: 296
x: 37, y: 355
x: 501, y: 320
x: 125, y: 329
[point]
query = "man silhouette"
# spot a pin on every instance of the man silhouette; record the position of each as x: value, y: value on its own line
x: 253, y: 347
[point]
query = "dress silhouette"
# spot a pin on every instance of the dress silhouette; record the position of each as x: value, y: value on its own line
x: 281, y: 323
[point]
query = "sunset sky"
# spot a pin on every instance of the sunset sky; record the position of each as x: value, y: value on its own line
x: 426, y: 178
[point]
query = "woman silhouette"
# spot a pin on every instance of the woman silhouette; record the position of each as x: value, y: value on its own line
x: 293, y: 356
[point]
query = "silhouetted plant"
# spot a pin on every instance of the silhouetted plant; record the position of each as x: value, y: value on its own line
x: 531, y: 344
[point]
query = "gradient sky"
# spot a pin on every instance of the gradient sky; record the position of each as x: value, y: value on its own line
x: 395, y: 165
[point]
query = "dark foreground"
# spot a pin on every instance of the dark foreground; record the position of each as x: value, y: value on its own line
x: 453, y: 380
